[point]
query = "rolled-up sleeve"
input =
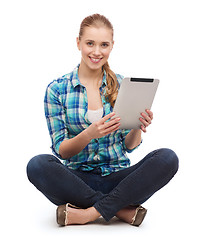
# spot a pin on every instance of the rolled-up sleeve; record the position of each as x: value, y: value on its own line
x: 124, y: 133
x: 130, y: 150
x: 55, y: 116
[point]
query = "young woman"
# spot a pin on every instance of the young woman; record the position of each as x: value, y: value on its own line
x: 95, y: 178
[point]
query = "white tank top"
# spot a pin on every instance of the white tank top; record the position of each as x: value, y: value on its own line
x: 95, y: 115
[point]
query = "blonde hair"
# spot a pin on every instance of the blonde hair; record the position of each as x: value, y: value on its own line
x: 98, y: 20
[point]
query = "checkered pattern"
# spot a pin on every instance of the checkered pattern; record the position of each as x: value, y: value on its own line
x: 66, y: 106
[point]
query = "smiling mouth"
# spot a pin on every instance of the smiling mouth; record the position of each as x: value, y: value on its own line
x: 95, y: 60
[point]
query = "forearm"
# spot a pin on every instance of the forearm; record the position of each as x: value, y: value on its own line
x: 73, y: 146
x: 133, y: 138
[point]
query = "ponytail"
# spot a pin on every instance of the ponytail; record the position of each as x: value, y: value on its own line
x: 112, y: 85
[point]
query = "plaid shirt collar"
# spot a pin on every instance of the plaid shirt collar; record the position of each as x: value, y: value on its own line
x: 75, y: 78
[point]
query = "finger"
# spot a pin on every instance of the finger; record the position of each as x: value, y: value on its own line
x: 108, y: 116
x: 107, y: 127
x: 143, y: 129
x: 146, y: 124
x: 111, y: 122
x: 111, y: 129
x: 150, y: 113
x: 146, y: 117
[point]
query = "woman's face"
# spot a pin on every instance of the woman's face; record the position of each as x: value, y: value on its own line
x: 95, y: 46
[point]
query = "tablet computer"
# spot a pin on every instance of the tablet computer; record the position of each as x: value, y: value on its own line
x: 134, y: 96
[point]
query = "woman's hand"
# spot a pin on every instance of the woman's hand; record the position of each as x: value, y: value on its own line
x: 71, y: 147
x: 146, y: 119
x: 102, y: 128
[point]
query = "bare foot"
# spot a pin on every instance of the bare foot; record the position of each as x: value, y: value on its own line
x: 81, y: 216
x: 126, y: 214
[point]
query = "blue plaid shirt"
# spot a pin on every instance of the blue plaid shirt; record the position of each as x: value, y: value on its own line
x: 66, y: 106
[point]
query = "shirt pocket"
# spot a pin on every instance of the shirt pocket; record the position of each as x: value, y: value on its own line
x: 75, y: 120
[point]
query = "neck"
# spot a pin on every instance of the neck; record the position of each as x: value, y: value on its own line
x: 89, y: 75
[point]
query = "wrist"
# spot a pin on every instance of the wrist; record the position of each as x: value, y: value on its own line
x: 88, y: 134
x: 136, y: 131
x: 135, y: 134
x: 133, y: 138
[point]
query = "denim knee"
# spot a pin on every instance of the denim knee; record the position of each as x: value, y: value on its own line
x: 170, y: 159
x: 35, y: 166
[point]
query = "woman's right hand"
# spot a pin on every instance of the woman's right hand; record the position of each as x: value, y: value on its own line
x: 102, y: 128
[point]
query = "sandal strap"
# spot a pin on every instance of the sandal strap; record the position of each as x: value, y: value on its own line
x: 136, y: 214
x: 67, y: 212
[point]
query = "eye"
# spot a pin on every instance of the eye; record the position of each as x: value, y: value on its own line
x: 105, y: 45
x: 90, y: 44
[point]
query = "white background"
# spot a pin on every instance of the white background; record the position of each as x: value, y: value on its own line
x: 160, y: 39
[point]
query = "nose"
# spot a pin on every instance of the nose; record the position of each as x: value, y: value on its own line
x: 96, y: 51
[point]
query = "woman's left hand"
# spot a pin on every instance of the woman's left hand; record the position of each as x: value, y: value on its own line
x: 146, y: 119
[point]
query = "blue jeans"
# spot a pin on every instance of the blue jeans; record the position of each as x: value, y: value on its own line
x: 108, y: 194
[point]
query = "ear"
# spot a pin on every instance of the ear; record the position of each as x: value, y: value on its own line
x: 78, y: 43
x: 112, y: 45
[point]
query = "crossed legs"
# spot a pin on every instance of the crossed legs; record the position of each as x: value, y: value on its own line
x: 133, y: 185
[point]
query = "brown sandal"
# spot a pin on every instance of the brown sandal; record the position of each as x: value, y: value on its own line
x: 139, y: 216
x: 62, y: 213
